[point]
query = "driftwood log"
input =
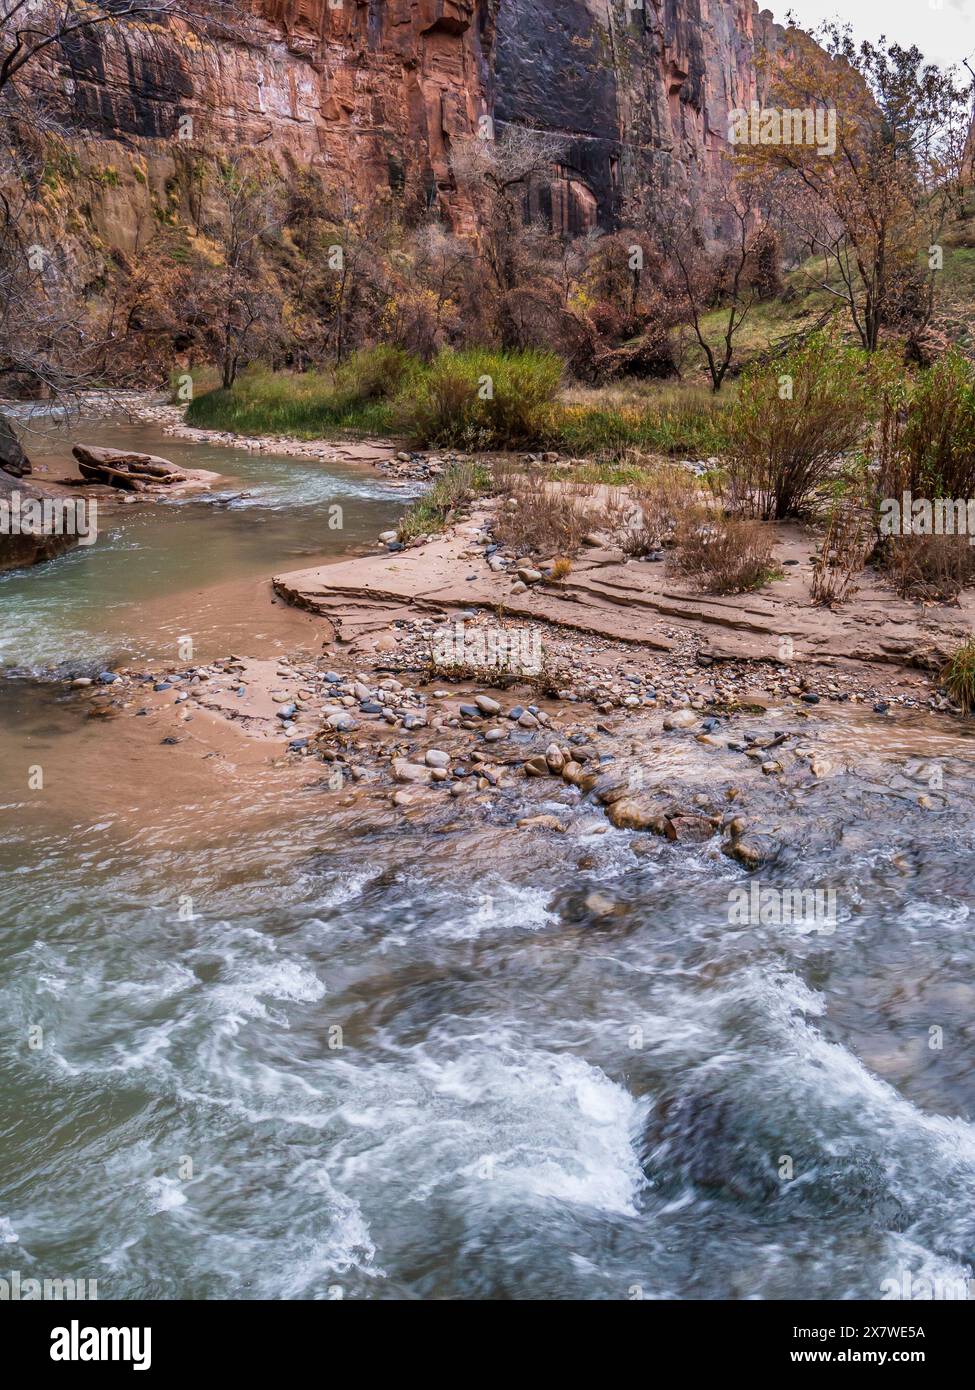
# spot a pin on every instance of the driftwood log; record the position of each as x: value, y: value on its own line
x: 134, y: 472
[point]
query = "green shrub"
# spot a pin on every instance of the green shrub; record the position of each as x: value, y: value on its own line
x: 373, y: 374
x: 458, y: 484
x: 937, y: 442
x: 794, y: 420
x: 481, y: 399
x: 926, y: 446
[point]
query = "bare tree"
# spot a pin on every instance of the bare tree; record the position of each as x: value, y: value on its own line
x: 33, y: 29
x: 246, y: 310
x: 875, y: 196
x: 499, y: 174
x: 710, y: 279
x: 28, y: 28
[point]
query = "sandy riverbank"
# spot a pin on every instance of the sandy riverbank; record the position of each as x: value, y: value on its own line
x: 349, y: 691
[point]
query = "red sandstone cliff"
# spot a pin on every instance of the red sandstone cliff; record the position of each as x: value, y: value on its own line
x: 368, y: 94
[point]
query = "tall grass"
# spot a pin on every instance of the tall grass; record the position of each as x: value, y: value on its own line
x: 685, y: 422
x: 473, y: 400
x: 430, y: 513
x: 356, y: 395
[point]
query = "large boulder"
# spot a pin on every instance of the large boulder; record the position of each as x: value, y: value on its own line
x: 17, y: 549
x: 13, y: 460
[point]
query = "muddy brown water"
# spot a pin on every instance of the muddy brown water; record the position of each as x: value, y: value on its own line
x: 261, y: 1040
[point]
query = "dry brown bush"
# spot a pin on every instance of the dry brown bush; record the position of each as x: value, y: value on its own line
x: 724, y: 555
x: 930, y: 567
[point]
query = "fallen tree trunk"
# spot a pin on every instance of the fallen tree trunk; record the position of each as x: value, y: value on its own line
x: 135, y: 472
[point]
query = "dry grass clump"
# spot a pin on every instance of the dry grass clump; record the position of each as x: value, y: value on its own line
x: 842, y: 555
x: 667, y: 509
x: 958, y: 675
x: 930, y: 568
x: 724, y: 554
x: 536, y: 518
x: 662, y: 501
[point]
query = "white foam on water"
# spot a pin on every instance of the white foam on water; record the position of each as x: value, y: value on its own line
x: 242, y: 998
x: 344, y: 888
x: 857, y: 1112
x: 923, y: 1267
x: 348, y: 1245
x: 498, y: 907
x: 8, y: 1236
x: 947, y: 913
x: 507, y: 1122
x: 165, y: 1194
x: 305, y: 488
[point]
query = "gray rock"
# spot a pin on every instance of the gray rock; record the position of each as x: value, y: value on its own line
x: 343, y: 723
x: 13, y: 460
x: 405, y: 771
x: 680, y: 719
x: 23, y: 548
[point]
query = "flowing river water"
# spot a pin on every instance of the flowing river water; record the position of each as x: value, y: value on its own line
x: 383, y: 1060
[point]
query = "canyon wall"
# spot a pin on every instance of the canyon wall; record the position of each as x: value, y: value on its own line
x: 640, y: 88
x: 369, y: 94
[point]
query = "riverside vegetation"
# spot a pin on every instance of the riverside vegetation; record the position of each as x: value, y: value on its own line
x: 821, y: 433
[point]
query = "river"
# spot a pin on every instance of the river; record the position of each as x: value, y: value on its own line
x: 258, y: 1045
